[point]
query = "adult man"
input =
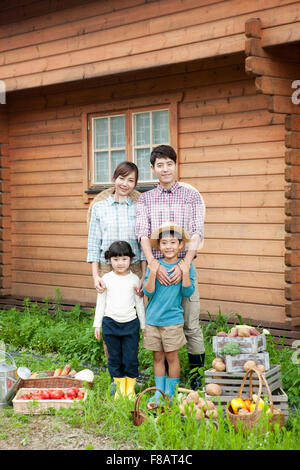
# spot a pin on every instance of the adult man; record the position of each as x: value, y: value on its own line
x: 171, y: 201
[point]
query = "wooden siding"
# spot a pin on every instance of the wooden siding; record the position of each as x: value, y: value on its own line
x: 230, y: 147
x: 5, y: 230
x: 82, y: 40
x: 275, y: 74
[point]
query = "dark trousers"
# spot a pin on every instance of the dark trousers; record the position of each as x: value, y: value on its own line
x: 122, y: 341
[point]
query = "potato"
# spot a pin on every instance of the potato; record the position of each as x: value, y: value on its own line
x: 220, y: 366
x: 215, y: 361
x: 193, y: 397
x: 199, y: 414
x: 201, y: 403
x: 182, y: 411
x: 222, y: 333
x: 261, y: 368
x: 234, y: 332
x: 244, y: 332
x: 249, y: 365
x: 185, y: 402
x: 211, y: 413
x: 254, y: 332
x: 210, y: 405
x: 213, y: 389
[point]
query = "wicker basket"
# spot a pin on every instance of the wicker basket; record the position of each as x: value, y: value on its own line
x: 42, y: 406
x: 138, y: 415
x: 62, y: 381
x: 250, y: 419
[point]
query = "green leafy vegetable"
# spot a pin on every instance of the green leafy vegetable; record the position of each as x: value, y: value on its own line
x: 231, y: 348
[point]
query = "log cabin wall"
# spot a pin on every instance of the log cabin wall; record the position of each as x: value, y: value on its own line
x: 43, y: 42
x: 5, y: 229
x: 230, y: 147
x: 276, y: 69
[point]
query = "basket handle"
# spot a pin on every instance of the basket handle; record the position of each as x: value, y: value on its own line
x: 260, y: 378
x: 138, y: 399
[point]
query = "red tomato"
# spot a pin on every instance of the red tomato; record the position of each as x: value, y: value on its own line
x: 56, y: 394
x: 25, y: 397
x: 71, y: 393
x: 45, y: 395
x: 80, y: 395
x: 36, y: 396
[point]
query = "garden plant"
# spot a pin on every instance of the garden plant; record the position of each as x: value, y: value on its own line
x: 44, y: 336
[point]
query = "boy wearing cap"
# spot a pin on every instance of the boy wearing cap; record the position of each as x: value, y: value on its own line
x: 164, y: 314
x: 174, y: 201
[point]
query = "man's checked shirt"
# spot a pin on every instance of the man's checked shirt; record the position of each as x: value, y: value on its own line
x: 112, y: 221
x: 179, y: 204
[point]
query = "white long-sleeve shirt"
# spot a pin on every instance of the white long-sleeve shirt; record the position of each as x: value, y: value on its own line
x: 119, y: 300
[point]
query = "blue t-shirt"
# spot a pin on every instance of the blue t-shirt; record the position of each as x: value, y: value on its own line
x: 164, y: 306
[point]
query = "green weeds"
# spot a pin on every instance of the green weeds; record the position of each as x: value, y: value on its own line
x: 60, y: 337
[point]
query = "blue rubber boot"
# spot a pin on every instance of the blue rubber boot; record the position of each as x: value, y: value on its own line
x: 157, y: 398
x: 171, y: 385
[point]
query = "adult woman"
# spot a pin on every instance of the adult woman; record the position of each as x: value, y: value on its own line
x: 112, y: 217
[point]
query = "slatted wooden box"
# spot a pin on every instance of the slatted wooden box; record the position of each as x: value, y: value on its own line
x: 43, y: 406
x: 236, y: 363
x: 248, y: 345
x: 231, y: 382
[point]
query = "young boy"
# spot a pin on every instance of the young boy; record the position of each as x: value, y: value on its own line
x: 164, y: 314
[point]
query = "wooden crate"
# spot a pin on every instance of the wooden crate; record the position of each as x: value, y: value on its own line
x: 236, y: 363
x: 251, y: 345
x: 230, y: 382
x: 280, y: 400
x: 42, y: 406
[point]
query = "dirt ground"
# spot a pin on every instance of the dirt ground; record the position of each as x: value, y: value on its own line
x: 49, y: 433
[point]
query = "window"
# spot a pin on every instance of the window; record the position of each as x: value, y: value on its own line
x: 109, y: 146
x: 131, y: 136
x: 127, y: 129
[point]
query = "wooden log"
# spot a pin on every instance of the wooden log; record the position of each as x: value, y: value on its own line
x: 233, y: 168
x: 292, y: 139
x: 242, y: 151
x: 292, y: 224
x: 271, y: 67
x: 292, y: 292
x: 292, y: 258
x: 273, y: 85
x: 292, y: 123
x: 292, y: 241
x: 241, y: 262
x: 253, y: 28
x: 240, y: 278
x: 245, y: 310
x: 243, y: 294
x: 292, y: 310
x: 283, y: 104
x: 292, y: 156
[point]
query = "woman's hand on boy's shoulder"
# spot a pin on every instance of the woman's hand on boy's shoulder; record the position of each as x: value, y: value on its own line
x: 154, y: 266
x: 184, y: 266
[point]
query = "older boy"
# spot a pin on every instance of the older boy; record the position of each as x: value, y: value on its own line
x: 164, y: 314
x: 172, y: 201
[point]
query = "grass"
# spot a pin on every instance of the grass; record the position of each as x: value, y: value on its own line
x: 62, y: 337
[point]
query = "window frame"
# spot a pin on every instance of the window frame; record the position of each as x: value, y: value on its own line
x: 127, y: 108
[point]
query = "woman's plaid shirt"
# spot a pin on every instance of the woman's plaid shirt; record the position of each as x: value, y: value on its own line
x: 112, y: 221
